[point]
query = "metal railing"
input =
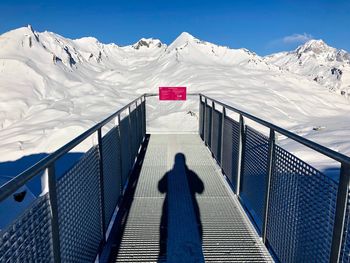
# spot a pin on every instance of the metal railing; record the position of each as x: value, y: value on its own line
x: 69, y: 220
x: 300, y: 213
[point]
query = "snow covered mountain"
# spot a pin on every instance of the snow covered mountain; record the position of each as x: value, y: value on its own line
x: 53, y: 88
x: 316, y: 60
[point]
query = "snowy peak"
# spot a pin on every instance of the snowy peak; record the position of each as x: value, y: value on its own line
x: 186, y: 36
x: 51, y: 48
x: 187, y: 48
x: 320, y: 50
x: 315, y: 46
x: 183, y: 39
x: 328, y: 66
x: 23, y: 36
x: 87, y: 41
x: 21, y: 31
x: 147, y: 43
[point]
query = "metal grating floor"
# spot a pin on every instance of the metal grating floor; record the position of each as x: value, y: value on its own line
x: 187, y: 213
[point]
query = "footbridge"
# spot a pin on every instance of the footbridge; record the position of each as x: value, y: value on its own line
x: 223, y: 189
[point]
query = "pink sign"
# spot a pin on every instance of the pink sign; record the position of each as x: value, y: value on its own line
x: 172, y: 93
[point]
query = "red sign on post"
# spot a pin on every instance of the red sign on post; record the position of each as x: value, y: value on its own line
x: 172, y: 93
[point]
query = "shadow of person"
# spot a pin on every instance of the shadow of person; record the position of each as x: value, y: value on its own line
x: 180, y: 227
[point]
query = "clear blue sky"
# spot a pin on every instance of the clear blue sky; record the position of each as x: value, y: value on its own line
x: 261, y: 26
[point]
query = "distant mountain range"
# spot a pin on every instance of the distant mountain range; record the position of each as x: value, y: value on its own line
x: 53, y: 88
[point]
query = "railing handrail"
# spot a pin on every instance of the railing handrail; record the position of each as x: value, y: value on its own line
x: 11, y: 186
x: 342, y: 158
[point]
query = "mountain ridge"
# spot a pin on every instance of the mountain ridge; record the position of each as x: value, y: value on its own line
x: 54, y: 88
x: 328, y: 66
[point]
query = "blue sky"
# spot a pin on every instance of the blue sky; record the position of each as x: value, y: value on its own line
x: 261, y: 26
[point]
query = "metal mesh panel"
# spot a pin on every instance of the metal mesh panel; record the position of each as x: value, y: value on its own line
x: 345, y: 251
x: 143, y: 109
x: 79, y: 210
x: 216, y: 136
x: 137, y: 131
x: 208, y: 125
x: 301, y: 210
x: 133, y: 132
x: 201, y: 116
x: 139, y: 124
x: 111, y: 172
x: 28, y: 238
x: 230, y: 150
x: 255, y: 167
x: 125, y: 148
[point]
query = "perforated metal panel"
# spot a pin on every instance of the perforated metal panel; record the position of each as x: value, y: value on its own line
x: 216, y: 135
x: 230, y: 150
x: 301, y: 210
x: 79, y: 210
x: 255, y: 156
x: 112, y: 174
x: 345, y: 250
x: 125, y: 148
x: 133, y: 133
x: 201, y: 120
x: 207, y: 125
x: 28, y: 238
x: 139, y: 124
x: 143, y: 109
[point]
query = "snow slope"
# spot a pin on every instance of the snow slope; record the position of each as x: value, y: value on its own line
x: 317, y: 61
x: 53, y: 88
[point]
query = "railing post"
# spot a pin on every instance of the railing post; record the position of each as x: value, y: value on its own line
x: 54, y: 213
x: 205, y: 120
x: 137, y: 124
x: 340, y: 212
x: 99, y: 136
x: 144, y: 118
x: 121, y: 157
x: 212, y: 126
x: 268, y: 183
x: 130, y: 137
x: 222, y: 135
x: 141, y: 120
x: 199, y: 126
x: 240, y: 159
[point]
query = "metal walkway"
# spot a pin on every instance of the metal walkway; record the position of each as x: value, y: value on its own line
x: 183, y: 211
x: 169, y: 202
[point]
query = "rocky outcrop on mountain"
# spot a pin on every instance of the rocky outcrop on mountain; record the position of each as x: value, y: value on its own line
x: 328, y: 66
